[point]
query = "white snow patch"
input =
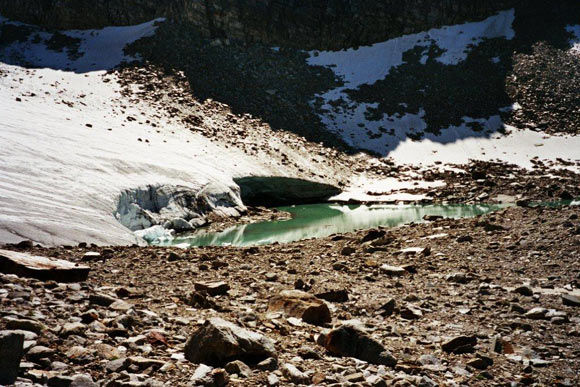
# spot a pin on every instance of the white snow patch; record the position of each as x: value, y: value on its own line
x: 62, y: 169
x: 574, y: 42
x: 367, y: 65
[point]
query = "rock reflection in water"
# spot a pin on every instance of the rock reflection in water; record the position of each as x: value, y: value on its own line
x: 321, y: 220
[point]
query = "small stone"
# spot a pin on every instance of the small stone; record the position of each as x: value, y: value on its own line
x: 570, y: 300
x: 83, y: 381
x: 308, y: 353
x: 101, y: 299
x: 458, y: 278
x: 393, y: 270
x: 239, y: 368
x: 25, y: 325
x: 89, y: 316
x: 333, y: 295
x: 409, y: 312
x: 120, y: 306
x: 39, y: 352
x: 273, y: 380
x: 348, y: 250
x: 537, y: 313
x: 269, y: 364
x: 353, y: 342
x: 387, y: 308
x: 212, y: 288
x: 173, y: 257
x: 117, y: 365
x: 460, y: 344
x: 299, y: 304
x: 524, y: 290
x: 355, y: 378
x: 464, y: 238
x: 271, y: 277
x: 480, y: 363
x: 76, y: 328
x: 91, y: 256
x: 294, y: 375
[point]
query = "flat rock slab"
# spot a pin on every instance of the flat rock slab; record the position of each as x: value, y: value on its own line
x: 42, y: 268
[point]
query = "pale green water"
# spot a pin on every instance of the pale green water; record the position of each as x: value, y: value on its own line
x: 321, y: 220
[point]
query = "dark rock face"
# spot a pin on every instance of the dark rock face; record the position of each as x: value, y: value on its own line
x: 220, y: 341
x: 273, y: 190
x: 11, y: 351
x: 307, y: 24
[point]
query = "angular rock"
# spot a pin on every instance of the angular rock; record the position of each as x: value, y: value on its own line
x: 273, y: 380
x: 239, y: 368
x: 212, y: 288
x: 69, y: 329
x: 333, y: 295
x: 294, y: 375
x: 219, y: 341
x: 410, y: 312
x: 460, y: 344
x: 39, y: 352
x: 101, y: 299
x: 11, y: 352
x: 352, y: 342
x: 524, y: 290
x: 538, y: 313
x: 209, y: 377
x: 387, y: 308
x: 25, y: 325
x: 143, y: 363
x: 481, y: 362
x: 348, y: 250
x: 458, y: 278
x: 371, y: 235
x: 42, y: 268
x: 117, y: 365
x: 299, y: 304
x: 269, y: 364
x: 392, y: 270
x: 83, y: 381
x: 570, y: 300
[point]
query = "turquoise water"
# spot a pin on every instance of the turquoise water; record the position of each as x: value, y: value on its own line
x: 321, y: 220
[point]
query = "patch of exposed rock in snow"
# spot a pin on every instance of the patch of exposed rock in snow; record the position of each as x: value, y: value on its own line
x: 575, y: 42
x: 98, y: 49
x: 366, y: 65
x: 458, y: 145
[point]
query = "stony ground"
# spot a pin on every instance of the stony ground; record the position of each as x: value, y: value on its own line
x: 495, y: 281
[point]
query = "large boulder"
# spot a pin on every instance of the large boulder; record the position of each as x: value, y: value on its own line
x: 350, y: 341
x: 219, y: 341
x: 11, y: 352
x: 299, y: 304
